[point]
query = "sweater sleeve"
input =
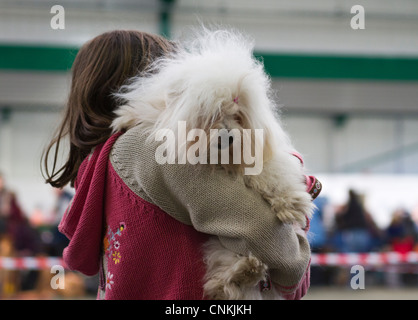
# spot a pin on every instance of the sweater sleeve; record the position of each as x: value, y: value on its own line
x: 216, y: 204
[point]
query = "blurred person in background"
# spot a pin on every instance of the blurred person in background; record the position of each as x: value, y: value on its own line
x: 317, y: 235
x: 355, y: 229
x: 319, y: 240
x: 8, y: 279
x: 17, y: 238
x: 63, y: 199
x: 58, y: 241
x: 401, y: 234
x: 14, y: 224
x: 9, y: 209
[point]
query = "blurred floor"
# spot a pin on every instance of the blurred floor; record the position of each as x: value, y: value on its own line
x: 372, y: 293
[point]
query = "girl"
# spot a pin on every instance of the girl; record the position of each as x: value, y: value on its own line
x: 141, y: 224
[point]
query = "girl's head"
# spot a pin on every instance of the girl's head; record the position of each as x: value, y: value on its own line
x: 100, y: 68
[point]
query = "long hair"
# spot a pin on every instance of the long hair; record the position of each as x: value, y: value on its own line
x: 100, y: 68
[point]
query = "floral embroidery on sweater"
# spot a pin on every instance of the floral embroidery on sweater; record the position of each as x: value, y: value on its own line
x: 112, y: 245
x: 116, y: 257
x: 109, y: 281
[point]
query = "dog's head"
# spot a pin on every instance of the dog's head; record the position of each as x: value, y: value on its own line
x: 233, y: 141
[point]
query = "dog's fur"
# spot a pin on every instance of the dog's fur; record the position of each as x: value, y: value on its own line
x: 214, y: 82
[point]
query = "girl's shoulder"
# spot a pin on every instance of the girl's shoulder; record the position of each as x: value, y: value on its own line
x: 132, y: 155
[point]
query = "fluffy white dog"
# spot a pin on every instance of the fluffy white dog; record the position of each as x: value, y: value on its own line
x: 214, y: 82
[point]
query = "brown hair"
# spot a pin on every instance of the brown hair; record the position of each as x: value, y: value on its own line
x: 100, y: 68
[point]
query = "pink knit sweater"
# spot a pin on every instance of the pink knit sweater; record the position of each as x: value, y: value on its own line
x: 140, y: 251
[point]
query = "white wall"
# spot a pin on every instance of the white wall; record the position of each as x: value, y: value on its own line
x: 362, y: 144
x: 22, y: 141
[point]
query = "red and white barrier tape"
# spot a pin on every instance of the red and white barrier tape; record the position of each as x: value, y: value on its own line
x: 317, y: 259
x: 364, y: 259
x: 30, y: 263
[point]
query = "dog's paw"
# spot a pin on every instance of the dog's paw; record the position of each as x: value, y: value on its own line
x: 215, y: 290
x: 293, y: 208
x: 248, y: 271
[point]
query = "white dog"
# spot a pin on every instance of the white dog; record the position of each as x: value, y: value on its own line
x: 214, y: 82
